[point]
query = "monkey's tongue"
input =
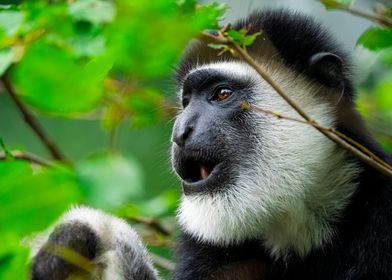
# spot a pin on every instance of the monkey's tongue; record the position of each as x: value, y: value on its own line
x: 204, y: 172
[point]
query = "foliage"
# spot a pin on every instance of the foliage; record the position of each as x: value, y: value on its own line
x: 74, y: 59
x: 110, y: 181
x: 375, y: 99
x: 376, y: 38
x: 241, y: 36
x: 26, y: 195
x: 332, y: 4
x: 108, y: 60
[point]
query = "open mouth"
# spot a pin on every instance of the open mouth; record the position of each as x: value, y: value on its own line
x: 195, y: 171
x: 199, y: 174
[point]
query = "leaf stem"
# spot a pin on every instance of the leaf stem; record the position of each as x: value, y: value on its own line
x: 113, y: 137
x: 375, y: 17
x: 32, y: 122
x: 150, y: 222
x: 327, y: 129
x: 18, y: 155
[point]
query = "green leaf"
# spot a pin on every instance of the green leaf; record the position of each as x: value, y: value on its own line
x: 217, y: 46
x: 187, y: 6
x: 97, y: 69
x: 6, y: 57
x: 237, y: 36
x: 41, y: 16
x: 32, y: 199
x: 332, y: 4
x: 88, y: 46
x: 94, y: 11
x: 146, y: 51
x: 51, y: 81
x: 110, y: 180
x: 241, y: 36
x: 249, y: 39
x: 11, y: 21
x: 208, y: 16
x: 376, y: 38
x: 383, y: 96
x: 13, y: 258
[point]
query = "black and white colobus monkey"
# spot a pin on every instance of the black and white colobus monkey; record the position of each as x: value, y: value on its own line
x: 264, y: 198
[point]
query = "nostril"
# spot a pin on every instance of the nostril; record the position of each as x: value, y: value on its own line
x: 181, y: 137
x: 187, y: 132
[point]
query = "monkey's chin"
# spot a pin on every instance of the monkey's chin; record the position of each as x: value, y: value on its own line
x: 210, y: 180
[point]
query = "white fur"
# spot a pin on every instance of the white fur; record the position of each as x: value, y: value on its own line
x: 115, y: 237
x: 289, y: 191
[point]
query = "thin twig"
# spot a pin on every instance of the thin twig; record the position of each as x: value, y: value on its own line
x: 31, y: 121
x: 27, y: 157
x: 377, y: 18
x: 383, y: 167
x: 326, y: 129
x: 150, y: 222
x: 113, y: 136
x: 162, y: 262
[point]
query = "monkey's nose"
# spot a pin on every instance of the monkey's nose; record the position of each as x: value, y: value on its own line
x: 181, y: 135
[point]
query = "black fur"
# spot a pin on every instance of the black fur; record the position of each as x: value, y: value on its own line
x: 76, y: 236
x: 362, y: 245
x: 295, y: 36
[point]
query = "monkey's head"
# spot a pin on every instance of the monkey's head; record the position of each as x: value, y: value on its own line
x: 251, y: 175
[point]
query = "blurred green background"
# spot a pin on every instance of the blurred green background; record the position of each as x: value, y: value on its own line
x: 81, y: 138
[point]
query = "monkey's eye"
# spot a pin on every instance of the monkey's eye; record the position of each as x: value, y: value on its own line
x: 222, y: 93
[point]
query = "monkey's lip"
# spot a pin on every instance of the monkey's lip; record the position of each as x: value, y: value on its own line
x: 201, y: 170
x: 208, y: 178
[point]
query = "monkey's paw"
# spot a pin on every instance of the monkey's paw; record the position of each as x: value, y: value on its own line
x: 89, y: 244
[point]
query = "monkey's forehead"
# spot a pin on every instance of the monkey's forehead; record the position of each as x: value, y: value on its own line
x: 295, y: 37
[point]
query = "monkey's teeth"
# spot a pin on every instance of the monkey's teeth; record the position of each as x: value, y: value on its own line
x: 204, y: 173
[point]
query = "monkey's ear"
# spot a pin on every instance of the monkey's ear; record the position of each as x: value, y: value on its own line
x: 327, y: 68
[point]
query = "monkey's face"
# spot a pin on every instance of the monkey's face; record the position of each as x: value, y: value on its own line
x: 242, y: 170
x: 212, y: 134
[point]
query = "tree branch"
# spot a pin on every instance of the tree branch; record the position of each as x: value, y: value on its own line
x: 375, y: 17
x: 355, y: 150
x: 31, y: 121
x: 26, y: 157
x: 150, y: 222
x: 326, y: 129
